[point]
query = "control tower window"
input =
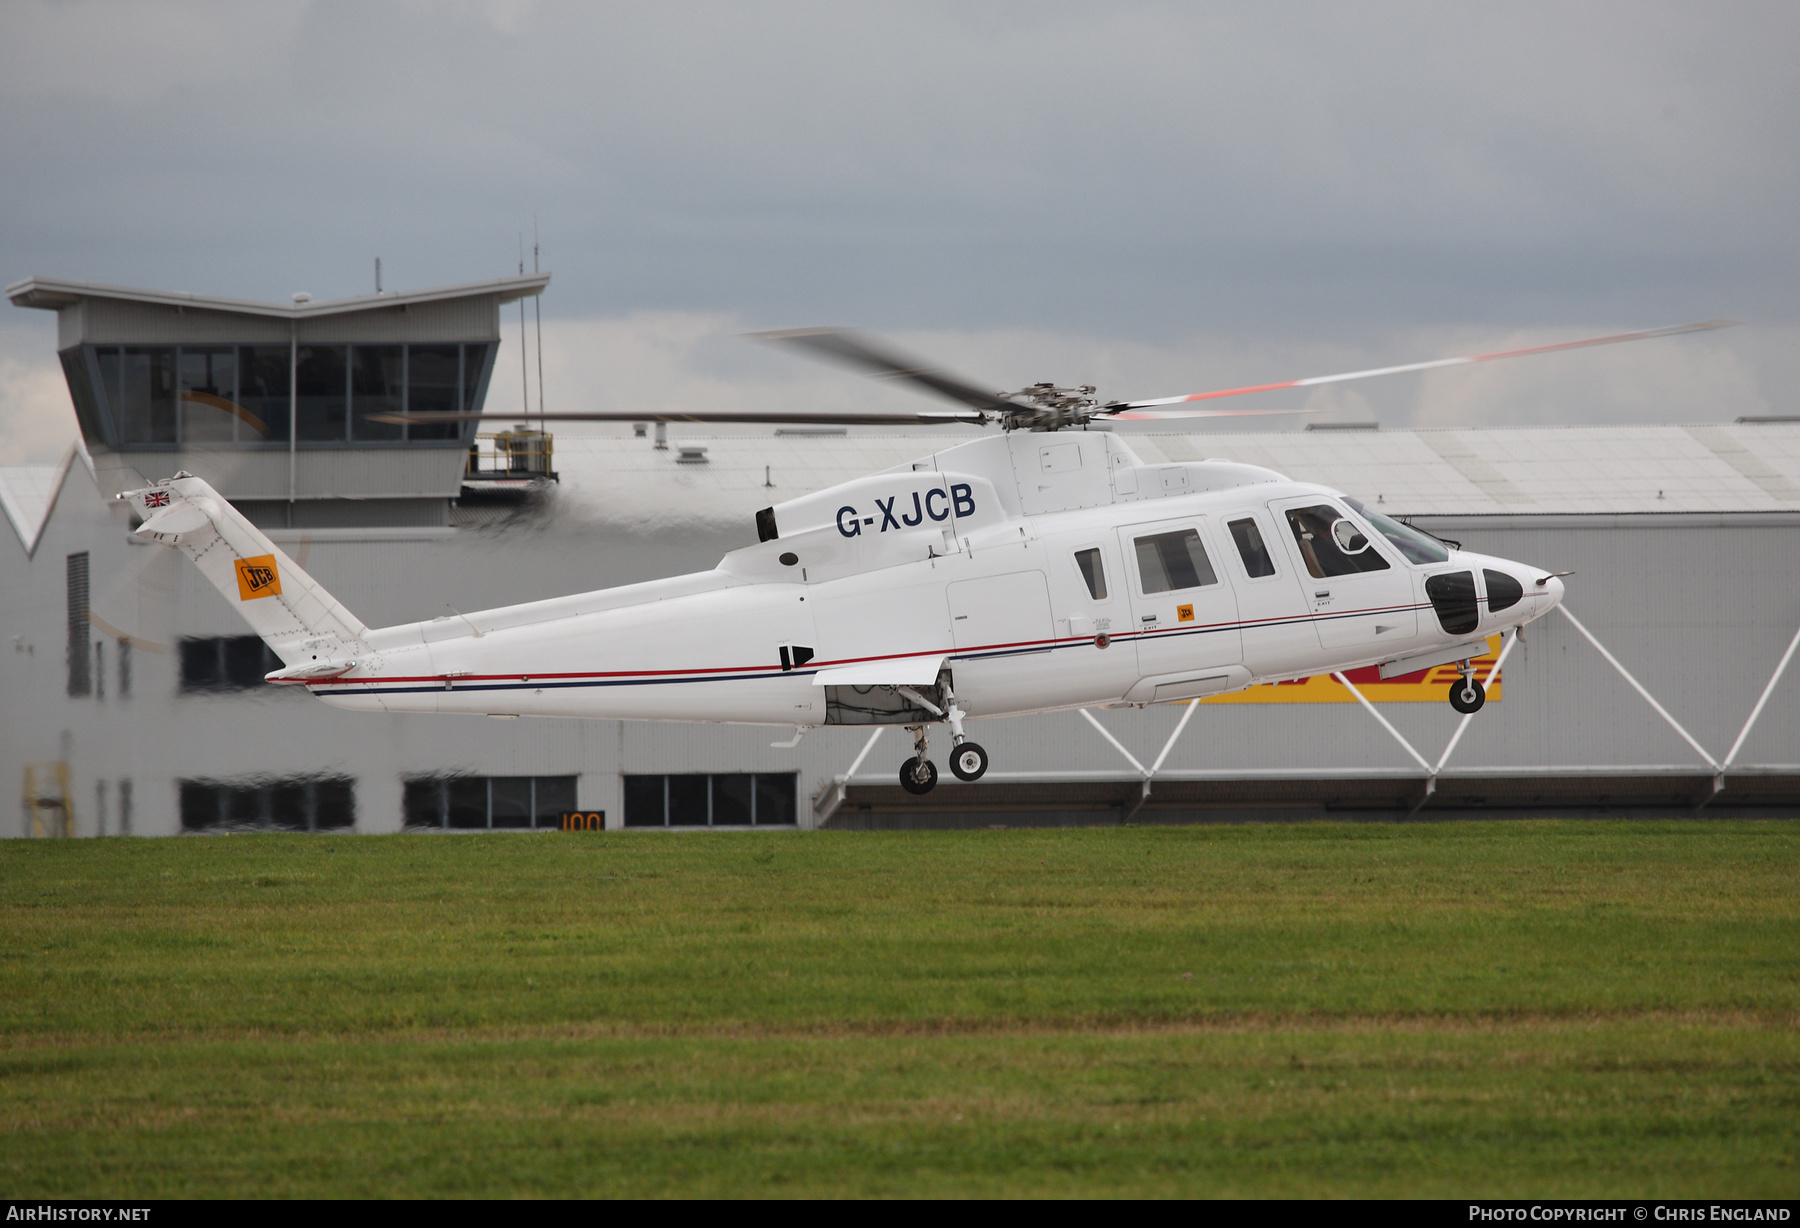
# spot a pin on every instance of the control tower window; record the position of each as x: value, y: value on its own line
x: 321, y: 379
x: 474, y: 360
x: 263, y: 392
x: 432, y: 376
x: 376, y: 387
x: 209, y: 408
x: 208, y: 396
x: 147, y: 395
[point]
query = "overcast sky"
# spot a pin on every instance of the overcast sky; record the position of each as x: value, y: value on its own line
x: 1156, y: 198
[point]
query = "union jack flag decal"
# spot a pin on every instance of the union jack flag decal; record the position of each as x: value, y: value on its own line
x: 157, y: 498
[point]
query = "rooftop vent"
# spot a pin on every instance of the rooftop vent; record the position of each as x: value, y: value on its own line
x: 1343, y: 426
x: 301, y: 296
x: 690, y: 454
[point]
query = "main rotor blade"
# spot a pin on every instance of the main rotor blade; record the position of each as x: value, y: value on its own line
x: 1612, y: 339
x: 928, y: 417
x: 1145, y: 415
x: 857, y: 349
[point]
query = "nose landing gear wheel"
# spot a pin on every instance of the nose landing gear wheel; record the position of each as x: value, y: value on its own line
x: 968, y: 762
x: 918, y: 776
x: 1467, y: 695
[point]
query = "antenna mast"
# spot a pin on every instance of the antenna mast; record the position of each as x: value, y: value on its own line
x: 524, y: 355
x: 537, y: 311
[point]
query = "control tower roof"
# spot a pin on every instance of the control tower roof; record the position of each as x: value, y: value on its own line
x: 54, y: 293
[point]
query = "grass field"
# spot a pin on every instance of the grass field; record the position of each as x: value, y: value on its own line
x: 1468, y: 1009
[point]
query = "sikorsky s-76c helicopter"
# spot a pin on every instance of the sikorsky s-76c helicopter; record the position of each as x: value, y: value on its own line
x: 1044, y: 567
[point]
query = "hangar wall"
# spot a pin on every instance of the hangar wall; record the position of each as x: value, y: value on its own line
x: 1699, y: 607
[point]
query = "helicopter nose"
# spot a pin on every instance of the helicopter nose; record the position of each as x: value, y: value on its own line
x: 1553, y: 588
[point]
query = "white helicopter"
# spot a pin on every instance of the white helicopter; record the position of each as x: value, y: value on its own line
x: 1045, y: 567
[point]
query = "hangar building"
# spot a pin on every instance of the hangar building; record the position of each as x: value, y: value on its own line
x: 134, y: 701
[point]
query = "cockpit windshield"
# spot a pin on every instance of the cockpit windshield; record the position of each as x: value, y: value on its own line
x: 1416, y: 546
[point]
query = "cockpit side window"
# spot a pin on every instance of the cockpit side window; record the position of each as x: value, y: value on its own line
x: 1248, y: 537
x: 1329, y: 551
x: 1093, y: 571
x: 1504, y: 592
x: 1170, y: 561
x: 1413, y: 545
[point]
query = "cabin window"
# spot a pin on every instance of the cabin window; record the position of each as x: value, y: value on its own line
x: 1248, y: 537
x: 1325, y: 552
x: 1170, y: 561
x: 1453, y: 597
x: 1093, y: 571
x: 1414, y: 545
x: 1504, y: 592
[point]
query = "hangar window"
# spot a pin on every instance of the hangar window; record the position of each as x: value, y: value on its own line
x: 1325, y: 555
x: 1504, y: 592
x: 299, y: 803
x: 1093, y: 570
x: 479, y: 802
x: 1414, y: 545
x: 1249, y: 539
x: 225, y: 663
x: 738, y: 799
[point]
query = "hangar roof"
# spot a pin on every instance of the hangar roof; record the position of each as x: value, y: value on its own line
x: 1617, y: 470
x: 1610, y: 470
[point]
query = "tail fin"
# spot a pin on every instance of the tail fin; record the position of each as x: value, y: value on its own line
x: 298, y: 619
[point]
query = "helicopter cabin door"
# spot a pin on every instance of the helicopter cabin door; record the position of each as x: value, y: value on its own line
x: 1360, y: 597
x: 1184, y: 614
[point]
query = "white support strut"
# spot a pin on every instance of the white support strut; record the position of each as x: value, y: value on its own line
x: 1757, y: 711
x: 1117, y: 745
x: 1469, y: 716
x: 864, y: 754
x: 1362, y: 699
x: 1639, y: 688
x: 1174, y: 737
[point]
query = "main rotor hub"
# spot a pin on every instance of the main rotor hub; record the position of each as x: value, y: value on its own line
x: 1045, y: 407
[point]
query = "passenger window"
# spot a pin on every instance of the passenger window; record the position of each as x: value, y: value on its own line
x: 1332, y: 545
x: 1169, y: 561
x: 1250, y: 545
x: 1093, y: 571
x: 1504, y: 592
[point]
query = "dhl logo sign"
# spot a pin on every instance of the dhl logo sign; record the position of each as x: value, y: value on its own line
x: 258, y: 577
x: 1426, y: 686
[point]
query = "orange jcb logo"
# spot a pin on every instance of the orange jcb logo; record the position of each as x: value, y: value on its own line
x: 258, y: 577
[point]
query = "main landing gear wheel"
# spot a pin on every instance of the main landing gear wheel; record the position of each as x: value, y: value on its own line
x: 918, y: 776
x: 968, y: 761
x: 1467, y: 695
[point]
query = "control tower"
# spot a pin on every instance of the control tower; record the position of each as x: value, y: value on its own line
x: 273, y: 403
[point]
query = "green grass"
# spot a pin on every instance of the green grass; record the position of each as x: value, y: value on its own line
x: 1458, y: 1010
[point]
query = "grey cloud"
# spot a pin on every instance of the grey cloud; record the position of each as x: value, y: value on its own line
x: 1259, y: 187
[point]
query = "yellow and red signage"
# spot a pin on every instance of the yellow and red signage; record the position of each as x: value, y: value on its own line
x: 1426, y: 686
